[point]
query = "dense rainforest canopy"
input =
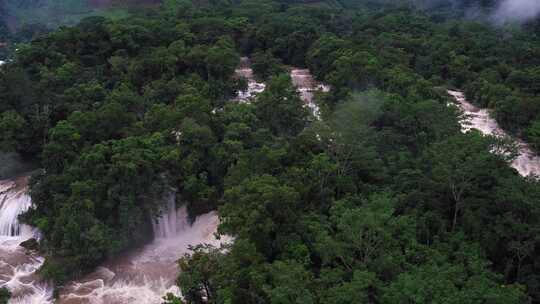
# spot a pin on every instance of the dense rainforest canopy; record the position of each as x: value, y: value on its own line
x: 383, y: 200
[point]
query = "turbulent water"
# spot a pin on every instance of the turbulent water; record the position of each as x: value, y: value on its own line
x: 253, y: 87
x: 17, y: 265
x: 307, y: 86
x: 301, y: 79
x: 143, y: 276
x: 146, y: 275
x: 527, y: 163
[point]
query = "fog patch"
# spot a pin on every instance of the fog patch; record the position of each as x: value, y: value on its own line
x: 516, y: 11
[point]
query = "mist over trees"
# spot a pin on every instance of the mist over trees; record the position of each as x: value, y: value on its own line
x: 497, y: 12
x: 517, y: 10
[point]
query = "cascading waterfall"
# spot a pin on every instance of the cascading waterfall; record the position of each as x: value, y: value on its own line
x: 253, y: 87
x: 170, y: 222
x: 301, y: 79
x: 17, y: 266
x: 307, y: 86
x: 144, y: 276
x: 13, y: 201
x: 526, y: 163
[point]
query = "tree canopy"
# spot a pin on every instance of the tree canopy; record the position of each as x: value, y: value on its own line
x: 382, y: 200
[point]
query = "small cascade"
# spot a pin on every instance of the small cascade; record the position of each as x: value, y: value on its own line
x: 301, y: 79
x: 244, y: 70
x: 17, y: 266
x: 526, y: 163
x: 169, y: 223
x: 13, y: 202
x: 307, y: 86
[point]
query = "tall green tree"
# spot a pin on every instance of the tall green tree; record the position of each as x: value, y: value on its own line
x: 280, y: 108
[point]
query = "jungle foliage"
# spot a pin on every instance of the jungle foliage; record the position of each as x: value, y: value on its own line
x: 383, y: 200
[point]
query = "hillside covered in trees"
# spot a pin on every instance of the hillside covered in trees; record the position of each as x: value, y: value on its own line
x: 382, y: 200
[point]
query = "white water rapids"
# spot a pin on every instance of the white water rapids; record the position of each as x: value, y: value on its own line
x: 527, y: 163
x: 307, y: 86
x: 301, y: 79
x: 143, y: 276
x: 253, y: 87
x: 17, y: 265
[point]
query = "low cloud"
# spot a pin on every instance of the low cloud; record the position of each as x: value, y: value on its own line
x: 516, y: 11
x: 503, y: 11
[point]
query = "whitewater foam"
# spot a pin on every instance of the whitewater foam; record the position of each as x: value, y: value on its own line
x: 17, y: 266
x: 307, y: 86
x: 526, y: 163
x: 146, y: 275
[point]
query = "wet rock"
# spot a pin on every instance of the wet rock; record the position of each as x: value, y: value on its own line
x: 30, y: 244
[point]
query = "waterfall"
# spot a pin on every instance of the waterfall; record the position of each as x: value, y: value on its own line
x: 171, y: 221
x: 142, y: 276
x: 244, y: 70
x: 301, y: 79
x: 17, y: 266
x: 13, y: 201
x: 145, y: 275
x: 307, y: 86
